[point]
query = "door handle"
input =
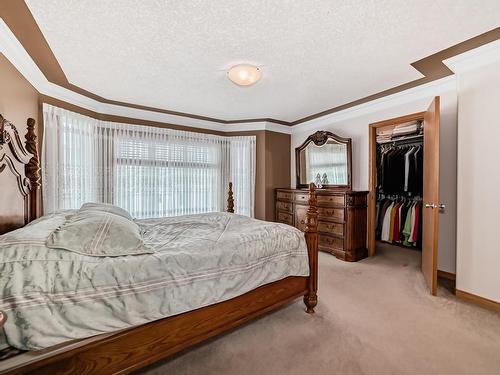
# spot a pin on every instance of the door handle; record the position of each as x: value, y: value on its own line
x: 432, y: 205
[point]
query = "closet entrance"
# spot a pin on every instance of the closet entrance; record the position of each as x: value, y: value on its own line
x: 403, y: 203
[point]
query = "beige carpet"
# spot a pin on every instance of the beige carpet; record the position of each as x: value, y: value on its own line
x: 374, y: 317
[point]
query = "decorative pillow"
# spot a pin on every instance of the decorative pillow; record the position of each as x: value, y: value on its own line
x: 106, y: 207
x: 99, y: 234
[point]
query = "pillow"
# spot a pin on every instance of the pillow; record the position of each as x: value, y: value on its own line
x: 106, y: 207
x: 99, y: 234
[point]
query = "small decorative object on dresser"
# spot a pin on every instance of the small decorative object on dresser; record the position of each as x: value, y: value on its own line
x: 342, y: 213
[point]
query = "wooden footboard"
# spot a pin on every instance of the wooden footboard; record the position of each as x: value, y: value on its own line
x: 311, y: 233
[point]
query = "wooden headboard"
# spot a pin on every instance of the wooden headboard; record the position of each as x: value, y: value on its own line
x: 19, y: 176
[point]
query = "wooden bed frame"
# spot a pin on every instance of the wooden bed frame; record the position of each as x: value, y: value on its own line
x: 130, y: 349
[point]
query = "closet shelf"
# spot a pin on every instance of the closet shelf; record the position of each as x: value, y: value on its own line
x: 402, y: 140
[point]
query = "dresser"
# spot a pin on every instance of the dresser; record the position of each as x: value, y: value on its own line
x: 342, y: 219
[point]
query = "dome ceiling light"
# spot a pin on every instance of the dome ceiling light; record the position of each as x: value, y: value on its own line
x: 244, y: 74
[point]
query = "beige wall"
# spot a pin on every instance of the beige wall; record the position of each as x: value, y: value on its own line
x: 478, y: 249
x: 356, y: 127
x: 18, y: 99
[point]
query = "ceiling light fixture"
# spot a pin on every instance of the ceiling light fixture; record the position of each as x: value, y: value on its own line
x: 244, y: 74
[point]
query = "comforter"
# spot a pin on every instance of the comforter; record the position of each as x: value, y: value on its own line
x: 53, y: 295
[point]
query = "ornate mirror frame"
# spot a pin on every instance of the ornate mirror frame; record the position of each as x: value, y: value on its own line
x: 319, y: 139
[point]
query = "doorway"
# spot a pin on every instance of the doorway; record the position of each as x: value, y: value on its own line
x: 421, y: 204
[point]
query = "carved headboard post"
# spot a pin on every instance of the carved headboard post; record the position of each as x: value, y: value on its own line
x: 2, y: 130
x: 15, y: 164
x: 230, y: 200
x: 32, y: 170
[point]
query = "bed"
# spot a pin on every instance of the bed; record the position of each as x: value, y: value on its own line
x: 205, y: 274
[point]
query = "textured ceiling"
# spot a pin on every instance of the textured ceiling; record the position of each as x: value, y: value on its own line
x: 173, y: 54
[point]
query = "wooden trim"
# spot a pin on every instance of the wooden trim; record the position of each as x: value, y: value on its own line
x: 478, y: 300
x: 372, y: 189
x: 418, y: 116
x: 372, y: 171
x: 446, y: 275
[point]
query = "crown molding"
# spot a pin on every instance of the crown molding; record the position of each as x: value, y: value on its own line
x: 474, y: 59
x: 427, y: 90
x: 13, y: 50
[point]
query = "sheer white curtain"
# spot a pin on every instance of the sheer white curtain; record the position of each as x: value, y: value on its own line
x: 242, y: 166
x: 69, y: 159
x: 331, y: 159
x: 149, y: 171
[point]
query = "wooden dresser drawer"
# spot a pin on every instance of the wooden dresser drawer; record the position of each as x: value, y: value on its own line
x: 332, y: 200
x: 285, y: 206
x: 284, y: 217
x: 333, y: 228
x: 330, y: 242
x: 302, y: 198
x: 341, y: 219
x: 284, y: 195
x: 331, y: 213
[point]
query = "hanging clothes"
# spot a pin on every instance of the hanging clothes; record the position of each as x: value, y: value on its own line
x: 399, y: 184
x: 386, y: 222
x: 400, y: 221
x: 400, y: 170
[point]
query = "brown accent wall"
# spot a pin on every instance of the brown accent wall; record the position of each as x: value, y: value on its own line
x: 272, y: 169
x: 19, y: 100
x: 277, y: 169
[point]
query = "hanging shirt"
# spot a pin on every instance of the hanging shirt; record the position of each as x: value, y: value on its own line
x: 391, y: 225
x: 386, y: 223
x: 408, y: 226
x: 381, y: 215
x: 397, y: 225
x: 404, y: 212
x: 408, y: 157
x: 415, y: 172
x: 416, y: 226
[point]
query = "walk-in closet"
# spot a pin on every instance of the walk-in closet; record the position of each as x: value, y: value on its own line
x: 399, y: 185
x: 404, y: 187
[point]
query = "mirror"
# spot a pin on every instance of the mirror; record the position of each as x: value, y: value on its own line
x: 324, y: 159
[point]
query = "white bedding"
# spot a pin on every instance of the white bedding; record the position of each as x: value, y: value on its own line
x: 52, y: 296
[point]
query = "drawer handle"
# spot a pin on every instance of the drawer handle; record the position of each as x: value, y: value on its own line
x: 329, y: 241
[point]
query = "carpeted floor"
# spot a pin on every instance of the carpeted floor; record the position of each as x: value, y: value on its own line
x: 374, y: 317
